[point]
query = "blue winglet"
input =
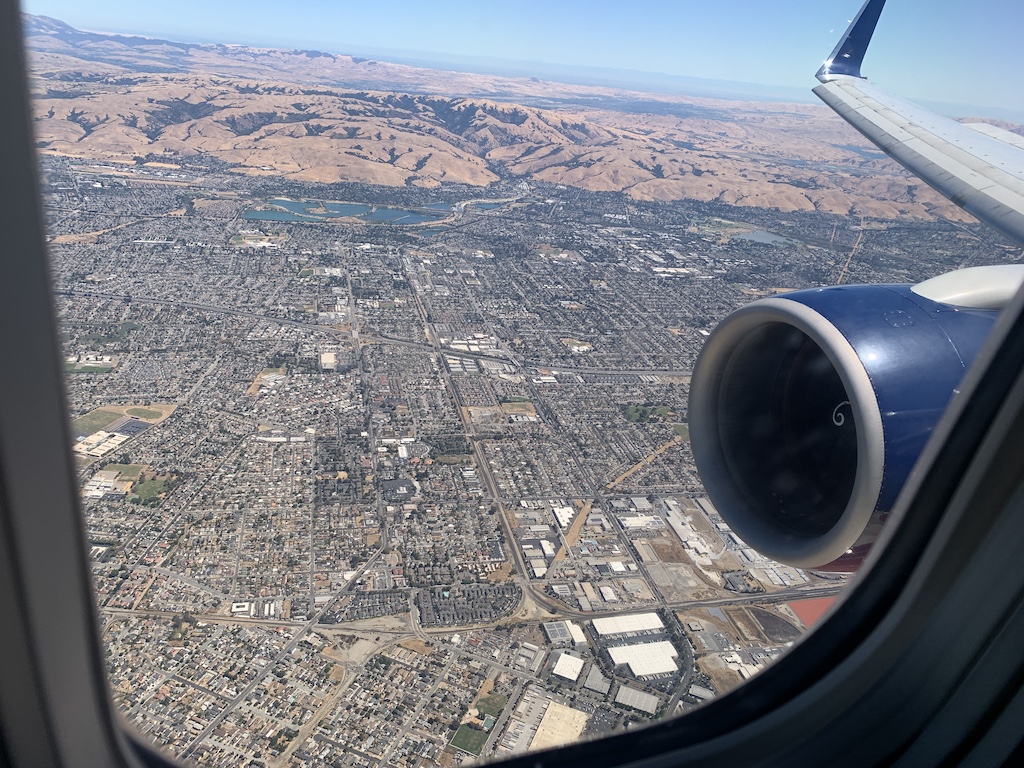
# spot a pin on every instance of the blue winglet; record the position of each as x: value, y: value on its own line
x: 849, y: 54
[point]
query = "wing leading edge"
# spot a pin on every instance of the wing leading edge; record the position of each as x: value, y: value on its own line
x: 980, y: 168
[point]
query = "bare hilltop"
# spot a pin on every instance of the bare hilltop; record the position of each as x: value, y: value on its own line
x: 321, y: 117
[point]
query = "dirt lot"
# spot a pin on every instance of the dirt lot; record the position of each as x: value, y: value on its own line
x: 669, y: 549
x: 520, y: 409
x: 501, y: 574
x: 573, y: 534
x: 679, y: 583
x: 722, y: 678
x: 746, y: 624
x: 416, y: 645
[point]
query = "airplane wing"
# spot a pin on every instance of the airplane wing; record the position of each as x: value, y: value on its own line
x: 979, y: 167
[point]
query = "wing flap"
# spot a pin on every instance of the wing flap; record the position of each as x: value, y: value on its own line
x: 997, y: 133
x: 975, y: 168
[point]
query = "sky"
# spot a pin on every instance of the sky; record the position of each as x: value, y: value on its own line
x: 953, y: 51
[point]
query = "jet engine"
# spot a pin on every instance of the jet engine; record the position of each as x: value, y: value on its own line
x: 808, y: 410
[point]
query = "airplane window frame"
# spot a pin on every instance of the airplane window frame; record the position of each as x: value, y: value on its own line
x: 823, y: 703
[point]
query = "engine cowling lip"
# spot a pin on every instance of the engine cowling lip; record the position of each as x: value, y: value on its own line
x: 705, y: 387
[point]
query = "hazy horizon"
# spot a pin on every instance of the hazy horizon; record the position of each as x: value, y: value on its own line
x: 652, y: 45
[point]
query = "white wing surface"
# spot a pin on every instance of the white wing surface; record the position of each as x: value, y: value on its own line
x: 979, y: 167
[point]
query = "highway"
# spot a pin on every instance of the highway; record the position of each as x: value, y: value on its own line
x: 781, y: 596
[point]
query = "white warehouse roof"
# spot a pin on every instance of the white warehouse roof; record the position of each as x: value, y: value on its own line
x: 646, y: 658
x: 621, y: 625
x: 577, y: 634
x: 568, y: 667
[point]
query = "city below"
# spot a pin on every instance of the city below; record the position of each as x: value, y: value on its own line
x: 398, y: 474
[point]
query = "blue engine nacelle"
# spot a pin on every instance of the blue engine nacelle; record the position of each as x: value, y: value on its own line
x: 808, y: 410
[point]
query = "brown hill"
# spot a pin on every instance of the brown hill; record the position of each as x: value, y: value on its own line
x: 93, y: 102
x: 59, y: 48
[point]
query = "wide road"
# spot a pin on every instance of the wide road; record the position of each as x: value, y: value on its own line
x: 804, y: 592
x: 556, y: 368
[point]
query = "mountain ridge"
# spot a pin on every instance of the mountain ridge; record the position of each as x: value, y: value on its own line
x: 317, y: 117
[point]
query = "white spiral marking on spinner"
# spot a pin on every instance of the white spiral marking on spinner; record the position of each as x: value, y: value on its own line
x: 839, y: 418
